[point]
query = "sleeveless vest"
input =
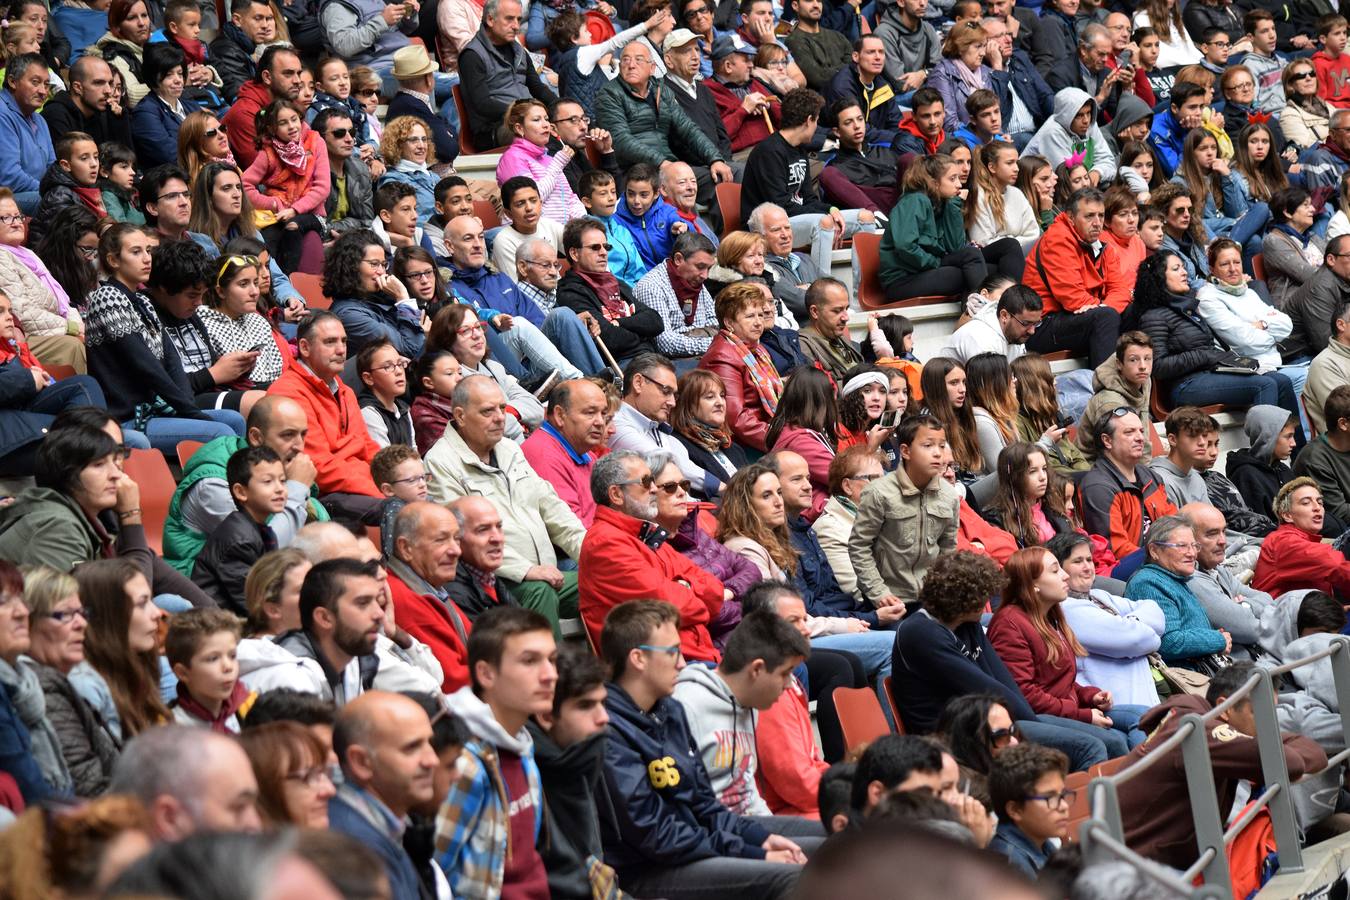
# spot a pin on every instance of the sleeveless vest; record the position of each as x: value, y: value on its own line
x: 380, y: 56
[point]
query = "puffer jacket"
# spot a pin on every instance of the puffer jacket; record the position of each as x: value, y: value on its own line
x: 651, y: 130
x: 1183, y: 343
x: 126, y: 57
x: 88, y: 746
x: 899, y: 532
x: 1069, y: 274
x: 1120, y: 510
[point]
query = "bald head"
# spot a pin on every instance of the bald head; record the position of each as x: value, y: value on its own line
x: 383, y: 742
x: 465, y: 243
x: 278, y: 423
x: 1211, y: 536
x: 322, y: 541
x: 91, y: 84
x: 426, y: 538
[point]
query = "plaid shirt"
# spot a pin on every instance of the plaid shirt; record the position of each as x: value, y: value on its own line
x: 654, y: 289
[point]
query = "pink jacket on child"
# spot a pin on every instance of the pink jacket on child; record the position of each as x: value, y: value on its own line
x: 285, y: 188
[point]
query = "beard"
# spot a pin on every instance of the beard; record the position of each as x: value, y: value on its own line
x: 639, y: 509
x: 354, y: 641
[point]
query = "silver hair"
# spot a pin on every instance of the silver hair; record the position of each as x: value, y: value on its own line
x: 658, y: 460
x: 1161, y: 531
x: 167, y: 760
x: 528, y: 249
x: 319, y: 541
x: 611, y: 469
x: 491, y: 6
x: 460, y: 395
x: 211, y: 866
x: 1091, y: 32
x: 407, y: 523
x: 1118, y: 881
x: 756, y: 221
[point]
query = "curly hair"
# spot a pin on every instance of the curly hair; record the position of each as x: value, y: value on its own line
x: 1016, y: 770
x: 1170, y: 193
x: 738, y: 518
x: 60, y: 850
x: 342, y: 263
x: 959, y: 584
x: 396, y: 132
x: 204, y: 217
x: 735, y: 298
x: 1150, y: 285
x: 853, y: 408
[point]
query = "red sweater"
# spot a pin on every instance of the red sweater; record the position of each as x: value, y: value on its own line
x: 996, y: 543
x: 337, y: 441
x: 1291, y: 559
x: 429, y: 620
x: 616, y: 566
x: 789, y: 763
x: 1050, y: 689
x: 1333, y: 78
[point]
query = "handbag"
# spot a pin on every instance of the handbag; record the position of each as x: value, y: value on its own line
x: 1177, y: 680
x: 1233, y: 364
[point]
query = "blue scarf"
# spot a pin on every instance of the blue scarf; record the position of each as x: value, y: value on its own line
x: 1303, y: 237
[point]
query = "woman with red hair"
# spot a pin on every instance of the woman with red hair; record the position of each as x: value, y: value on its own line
x: 1039, y: 648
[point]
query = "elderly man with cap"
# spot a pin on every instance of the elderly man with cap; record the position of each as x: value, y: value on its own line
x: 683, y: 64
x: 749, y: 108
x: 416, y: 76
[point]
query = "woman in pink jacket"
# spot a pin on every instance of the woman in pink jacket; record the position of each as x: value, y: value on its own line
x: 287, y: 182
x: 528, y: 155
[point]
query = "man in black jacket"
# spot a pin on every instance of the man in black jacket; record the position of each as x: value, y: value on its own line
x: 857, y: 167
x: 84, y: 107
x: 681, y: 53
x: 495, y: 71
x: 416, y: 76
x: 627, y: 326
x: 234, y: 51
x: 344, y: 163
x: 482, y: 545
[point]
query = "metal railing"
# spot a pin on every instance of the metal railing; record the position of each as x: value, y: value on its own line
x: 1103, y: 835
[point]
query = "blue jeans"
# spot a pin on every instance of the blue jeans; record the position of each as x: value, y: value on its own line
x: 503, y: 354
x: 165, y: 434
x: 573, y: 340
x: 28, y: 201
x: 134, y: 440
x: 1274, y: 389
x: 51, y: 401
x: 1125, y: 719
x: 1088, y: 741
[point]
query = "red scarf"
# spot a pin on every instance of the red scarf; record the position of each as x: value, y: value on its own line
x: 194, y: 50
x: 606, y: 288
x: 92, y: 198
x: 685, y: 292
x: 237, y: 699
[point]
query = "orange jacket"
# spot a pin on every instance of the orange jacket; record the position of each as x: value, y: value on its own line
x: 1122, y: 511
x: 337, y: 441
x: 1069, y: 275
x: 789, y: 763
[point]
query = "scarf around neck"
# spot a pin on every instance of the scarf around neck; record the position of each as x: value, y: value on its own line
x: 708, y: 437
x: 92, y: 198
x: 292, y: 154
x: 407, y: 165
x: 1232, y: 290
x: 25, y: 691
x: 606, y: 287
x: 194, y: 50
x: 1303, y: 237
x: 970, y: 78
x: 767, y: 381
x: 685, y: 293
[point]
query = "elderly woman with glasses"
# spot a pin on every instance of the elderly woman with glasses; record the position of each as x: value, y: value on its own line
x: 754, y: 386
x: 50, y: 320
x: 1170, y: 550
x: 458, y: 329
x: 1293, y: 555
x: 58, y: 623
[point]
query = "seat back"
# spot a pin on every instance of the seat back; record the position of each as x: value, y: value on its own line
x: 729, y: 202
x: 1259, y: 266
x: 860, y: 716
x: 871, y: 292
x: 486, y: 213
x: 311, y: 289
x: 888, y: 690
x: 185, y: 450
x: 466, y: 144
x: 59, y: 371
x: 1081, y: 808
x: 151, y: 474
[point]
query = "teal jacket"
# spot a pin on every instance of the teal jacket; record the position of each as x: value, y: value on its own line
x: 917, y: 238
x: 1188, y: 633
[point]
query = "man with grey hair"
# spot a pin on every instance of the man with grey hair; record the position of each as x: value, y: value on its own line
x: 626, y: 556
x: 473, y: 458
x: 426, y: 551
x: 1229, y: 604
x: 676, y: 290
x: 642, y: 422
x: 500, y: 72
x: 482, y: 546
x: 189, y: 780
x: 320, y: 541
x: 679, y: 188
x: 793, y: 272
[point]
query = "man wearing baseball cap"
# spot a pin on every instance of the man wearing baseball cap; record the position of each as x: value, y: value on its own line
x: 683, y: 59
x: 748, y: 109
x: 416, y: 76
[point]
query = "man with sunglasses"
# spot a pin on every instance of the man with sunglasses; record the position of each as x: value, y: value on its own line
x: 350, y: 204
x: 627, y: 326
x: 625, y: 556
x: 1121, y: 497
x: 562, y: 450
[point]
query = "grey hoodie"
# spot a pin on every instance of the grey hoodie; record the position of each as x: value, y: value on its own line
x: 725, y: 732
x: 1129, y: 110
x: 1263, y: 425
x: 1057, y: 143
x: 467, y: 706
x: 906, y: 51
x: 1181, y: 489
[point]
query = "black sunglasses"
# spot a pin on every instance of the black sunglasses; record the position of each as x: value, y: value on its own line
x: 340, y: 133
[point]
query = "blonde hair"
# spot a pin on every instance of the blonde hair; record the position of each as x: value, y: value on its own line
x: 43, y: 588
x: 396, y: 132
x: 735, y: 246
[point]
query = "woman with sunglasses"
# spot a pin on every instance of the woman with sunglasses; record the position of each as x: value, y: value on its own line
x: 1118, y: 634
x: 58, y: 623
x: 1306, y: 117
x: 51, y: 323
x: 201, y: 140
x: 366, y: 89
x: 458, y: 329
x: 974, y: 728
x: 372, y: 304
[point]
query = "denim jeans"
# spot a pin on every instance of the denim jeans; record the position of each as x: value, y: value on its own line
x: 537, y: 354
x: 28, y: 201
x: 502, y: 353
x: 166, y: 434
x: 1083, y: 749
x: 573, y: 340
x: 1273, y: 389
x: 806, y: 230
x: 77, y: 390
x: 1125, y: 719
x: 1297, y: 373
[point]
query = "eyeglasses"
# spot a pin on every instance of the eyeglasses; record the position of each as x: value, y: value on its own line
x: 573, y: 120
x: 666, y: 390
x: 175, y: 195
x: 778, y: 64
x: 672, y: 650
x: 416, y: 480
x: 691, y: 11
x: 551, y: 266
x: 1222, y: 45
x: 377, y: 263
x: 63, y: 616
x: 418, y: 276
x: 670, y: 487
x: 646, y: 481
x: 15, y: 219
x: 416, y: 139
x: 397, y: 365
x: 596, y: 248
x: 466, y: 330
x: 311, y: 778
x: 1029, y: 326
x: 1002, y: 737
x: 1192, y: 546
x: 340, y: 133
x: 1055, y: 801
x: 869, y: 478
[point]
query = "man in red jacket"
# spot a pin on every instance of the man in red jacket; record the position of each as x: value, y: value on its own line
x: 742, y: 101
x: 1079, y: 281
x: 337, y: 442
x: 625, y: 557
x: 426, y: 552
x: 278, y: 79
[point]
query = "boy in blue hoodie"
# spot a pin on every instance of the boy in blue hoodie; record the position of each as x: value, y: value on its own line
x: 651, y: 221
x: 670, y: 837
x: 599, y: 193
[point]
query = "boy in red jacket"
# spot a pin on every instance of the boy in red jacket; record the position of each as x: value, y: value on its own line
x: 1332, y: 63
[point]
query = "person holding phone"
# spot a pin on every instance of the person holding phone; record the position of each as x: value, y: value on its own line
x: 862, y: 409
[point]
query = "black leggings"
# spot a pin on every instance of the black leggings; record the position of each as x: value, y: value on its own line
x: 961, y: 271
x: 825, y: 671
x: 284, y: 243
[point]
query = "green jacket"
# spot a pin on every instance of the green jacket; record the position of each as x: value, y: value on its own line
x: 917, y: 239
x: 120, y: 208
x: 651, y: 130
x: 181, y: 543
x: 44, y: 527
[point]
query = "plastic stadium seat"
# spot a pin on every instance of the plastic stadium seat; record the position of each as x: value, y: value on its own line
x: 466, y: 144
x: 59, y: 371
x: 729, y: 202
x: 871, y: 294
x: 311, y: 288
x: 151, y: 474
x: 1259, y: 266
x: 860, y: 716
x: 895, y: 707
x: 1081, y: 809
x: 486, y: 213
x: 185, y: 450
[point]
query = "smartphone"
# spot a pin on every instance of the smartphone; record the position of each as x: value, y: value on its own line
x: 260, y: 348
x: 1126, y: 58
x: 890, y: 418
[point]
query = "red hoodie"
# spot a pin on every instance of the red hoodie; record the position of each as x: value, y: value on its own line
x: 930, y: 144
x: 1291, y: 558
x: 240, y: 121
x: 1333, y: 78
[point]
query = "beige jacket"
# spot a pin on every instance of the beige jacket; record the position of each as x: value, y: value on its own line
x: 534, y: 517
x: 34, y: 306
x: 899, y: 532
x: 832, y: 530
x: 1329, y: 370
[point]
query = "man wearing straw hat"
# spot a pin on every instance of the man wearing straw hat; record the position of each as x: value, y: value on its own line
x: 416, y: 76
